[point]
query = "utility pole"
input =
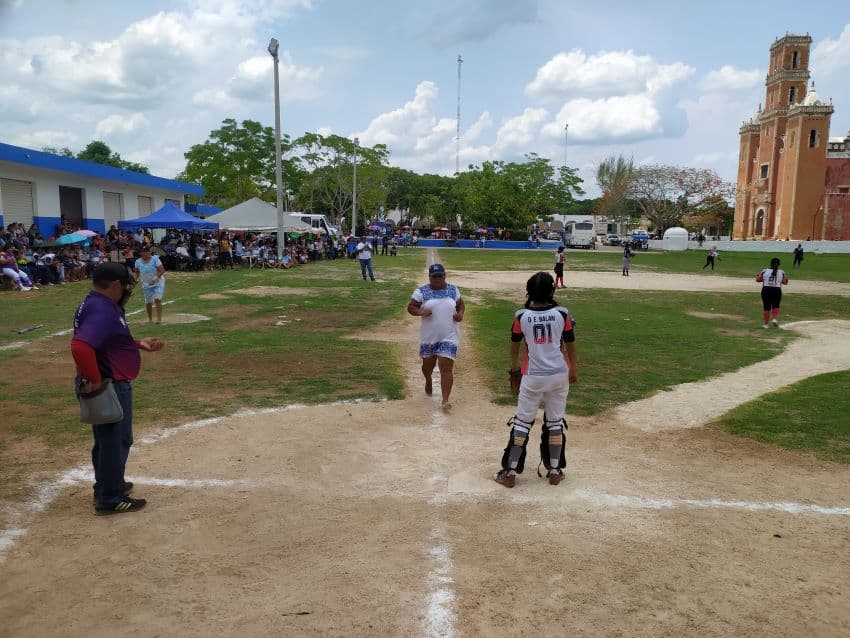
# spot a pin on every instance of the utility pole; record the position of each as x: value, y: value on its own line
x: 566, y: 133
x: 273, y: 49
x: 354, y: 191
x: 457, y: 136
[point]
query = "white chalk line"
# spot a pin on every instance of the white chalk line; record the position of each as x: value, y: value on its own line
x: 439, y: 612
x: 23, y: 514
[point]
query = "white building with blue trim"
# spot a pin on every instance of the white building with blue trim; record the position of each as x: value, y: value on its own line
x: 43, y: 189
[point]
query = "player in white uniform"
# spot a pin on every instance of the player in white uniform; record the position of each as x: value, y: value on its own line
x: 772, y: 280
x: 441, y: 307
x: 549, y: 366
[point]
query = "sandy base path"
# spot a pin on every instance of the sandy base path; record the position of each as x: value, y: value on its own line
x: 381, y: 519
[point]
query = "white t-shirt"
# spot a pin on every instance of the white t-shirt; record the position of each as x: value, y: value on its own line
x: 543, y: 330
x: 439, y: 326
x: 365, y: 250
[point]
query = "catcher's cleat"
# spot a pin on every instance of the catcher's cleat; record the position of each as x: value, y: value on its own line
x: 556, y: 477
x: 503, y: 478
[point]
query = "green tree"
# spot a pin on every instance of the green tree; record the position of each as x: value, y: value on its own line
x: 614, y: 177
x: 237, y: 162
x: 668, y: 194
x: 327, y: 168
x: 515, y: 194
x: 61, y: 152
x: 100, y: 153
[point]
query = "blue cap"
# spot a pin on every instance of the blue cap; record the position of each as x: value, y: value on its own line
x: 436, y: 269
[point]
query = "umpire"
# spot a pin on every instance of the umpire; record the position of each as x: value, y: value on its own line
x: 103, y: 348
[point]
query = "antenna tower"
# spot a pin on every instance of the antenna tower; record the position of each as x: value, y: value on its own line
x: 457, y: 136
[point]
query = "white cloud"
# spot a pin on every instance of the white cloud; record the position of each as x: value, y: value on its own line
x: 832, y: 56
x: 401, y: 127
x: 121, y: 124
x: 714, y: 158
x: 618, y: 119
x: 40, y: 139
x: 730, y: 78
x: 520, y: 133
x: 602, y: 74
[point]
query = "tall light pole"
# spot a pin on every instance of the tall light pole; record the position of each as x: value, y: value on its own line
x: 566, y: 133
x: 354, y: 191
x: 273, y: 47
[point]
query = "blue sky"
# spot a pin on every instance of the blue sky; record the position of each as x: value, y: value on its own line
x: 666, y: 82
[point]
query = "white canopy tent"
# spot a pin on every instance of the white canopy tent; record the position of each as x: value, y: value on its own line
x: 256, y: 215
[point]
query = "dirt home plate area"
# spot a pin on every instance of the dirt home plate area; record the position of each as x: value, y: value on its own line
x: 382, y: 519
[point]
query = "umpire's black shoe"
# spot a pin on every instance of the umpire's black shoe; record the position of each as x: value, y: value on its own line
x: 126, y: 505
x: 128, y: 487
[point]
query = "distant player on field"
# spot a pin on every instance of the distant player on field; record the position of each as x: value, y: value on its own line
x: 772, y: 280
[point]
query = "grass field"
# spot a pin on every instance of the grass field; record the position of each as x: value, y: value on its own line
x: 291, y: 344
x: 815, y: 267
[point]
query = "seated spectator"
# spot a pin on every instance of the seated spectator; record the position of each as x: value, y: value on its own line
x: 200, y: 257
x: 182, y: 255
x: 238, y: 251
x: 9, y: 267
x: 45, y: 268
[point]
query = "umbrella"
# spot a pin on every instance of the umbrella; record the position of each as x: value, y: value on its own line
x: 85, y: 233
x: 71, y: 238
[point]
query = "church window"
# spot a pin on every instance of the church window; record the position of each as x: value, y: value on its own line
x: 763, y: 172
x: 795, y: 60
x: 792, y: 94
x: 844, y: 189
x: 813, y: 138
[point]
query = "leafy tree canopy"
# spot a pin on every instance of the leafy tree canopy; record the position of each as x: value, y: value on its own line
x: 99, y: 153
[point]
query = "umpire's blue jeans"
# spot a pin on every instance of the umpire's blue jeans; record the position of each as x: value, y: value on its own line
x: 366, y: 264
x: 111, y: 448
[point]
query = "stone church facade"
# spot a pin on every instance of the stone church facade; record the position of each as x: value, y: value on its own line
x: 793, y: 180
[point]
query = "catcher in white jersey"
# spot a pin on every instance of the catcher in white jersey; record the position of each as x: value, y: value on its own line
x: 549, y: 366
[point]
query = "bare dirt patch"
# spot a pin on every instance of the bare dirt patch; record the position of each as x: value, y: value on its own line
x: 715, y: 315
x: 212, y: 296
x: 267, y: 291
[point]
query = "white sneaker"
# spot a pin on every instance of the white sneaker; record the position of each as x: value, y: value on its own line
x: 765, y: 326
x: 25, y: 289
x: 775, y: 322
x: 35, y: 287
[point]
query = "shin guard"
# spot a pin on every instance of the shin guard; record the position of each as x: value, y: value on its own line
x: 552, y: 437
x: 514, y: 455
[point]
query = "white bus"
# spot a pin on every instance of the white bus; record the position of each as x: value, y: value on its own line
x: 579, y: 234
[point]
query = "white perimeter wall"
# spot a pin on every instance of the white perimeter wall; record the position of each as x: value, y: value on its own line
x: 46, y: 185
x: 777, y: 247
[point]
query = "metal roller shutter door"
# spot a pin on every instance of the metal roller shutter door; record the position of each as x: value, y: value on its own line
x: 111, y: 209
x: 17, y: 201
x: 145, y: 205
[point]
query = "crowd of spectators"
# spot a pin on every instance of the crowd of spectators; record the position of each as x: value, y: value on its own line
x: 29, y: 262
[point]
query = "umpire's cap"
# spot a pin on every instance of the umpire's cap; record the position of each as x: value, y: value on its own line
x: 436, y: 270
x: 108, y: 271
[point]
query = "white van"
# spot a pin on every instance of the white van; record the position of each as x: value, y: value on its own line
x: 319, y: 222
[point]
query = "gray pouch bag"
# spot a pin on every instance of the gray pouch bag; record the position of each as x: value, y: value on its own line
x: 101, y: 407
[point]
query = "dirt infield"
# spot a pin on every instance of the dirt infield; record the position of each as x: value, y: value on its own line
x: 381, y: 519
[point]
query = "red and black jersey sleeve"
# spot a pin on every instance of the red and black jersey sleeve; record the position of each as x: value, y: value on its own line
x: 516, y: 328
x: 569, y: 334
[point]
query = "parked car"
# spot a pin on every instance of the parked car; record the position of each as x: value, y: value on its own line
x: 553, y: 236
x: 611, y: 239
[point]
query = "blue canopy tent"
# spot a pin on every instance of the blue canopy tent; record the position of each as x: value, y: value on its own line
x: 169, y: 216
